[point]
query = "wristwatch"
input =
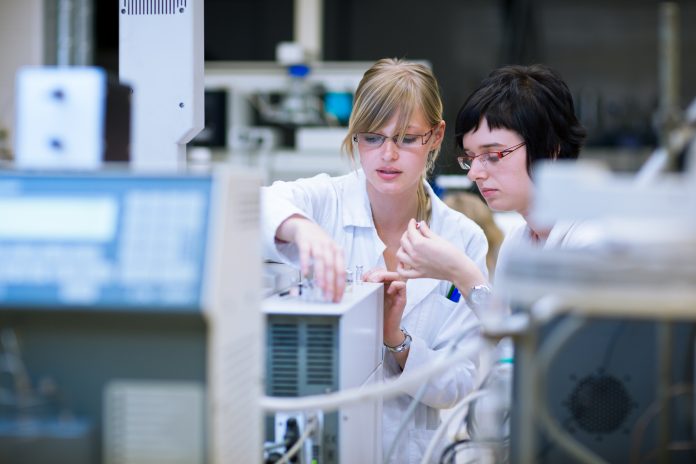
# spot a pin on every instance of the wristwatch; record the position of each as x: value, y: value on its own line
x: 479, y: 296
x: 403, y: 346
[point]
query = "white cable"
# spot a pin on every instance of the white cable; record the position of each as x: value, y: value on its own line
x: 475, y: 393
x: 653, y: 167
x: 418, y: 397
x: 334, y: 401
x: 443, y: 426
x: 309, y: 428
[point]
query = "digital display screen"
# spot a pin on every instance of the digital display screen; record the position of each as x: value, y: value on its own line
x: 111, y: 241
x: 56, y: 218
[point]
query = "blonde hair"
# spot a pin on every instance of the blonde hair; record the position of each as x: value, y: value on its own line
x: 396, y: 87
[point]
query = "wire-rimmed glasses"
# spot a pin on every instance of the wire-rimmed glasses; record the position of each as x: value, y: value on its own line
x: 373, y: 140
x: 492, y: 157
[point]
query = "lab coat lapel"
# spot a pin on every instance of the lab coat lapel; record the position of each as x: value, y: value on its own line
x: 558, y: 234
x: 417, y: 290
x: 357, y: 214
x: 357, y: 217
x: 356, y: 204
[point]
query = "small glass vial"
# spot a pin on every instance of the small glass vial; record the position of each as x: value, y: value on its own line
x: 358, y: 275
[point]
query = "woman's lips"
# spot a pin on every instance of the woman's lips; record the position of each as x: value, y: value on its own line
x: 388, y: 174
x: 487, y: 192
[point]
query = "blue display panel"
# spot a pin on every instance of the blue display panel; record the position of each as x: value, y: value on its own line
x: 109, y: 241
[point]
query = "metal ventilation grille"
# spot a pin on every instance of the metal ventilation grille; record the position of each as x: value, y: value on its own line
x: 320, y: 343
x: 153, y: 7
x: 600, y: 404
x: 284, y: 360
x: 249, y: 204
x: 302, y: 356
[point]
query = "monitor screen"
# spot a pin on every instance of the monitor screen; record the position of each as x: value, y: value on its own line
x: 103, y: 241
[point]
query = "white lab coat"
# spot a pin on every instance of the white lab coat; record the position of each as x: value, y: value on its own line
x: 340, y: 205
x: 564, y: 234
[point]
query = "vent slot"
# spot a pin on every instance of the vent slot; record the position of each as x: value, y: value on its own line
x: 302, y: 356
x: 249, y: 204
x: 284, y: 353
x: 153, y: 7
x: 320, y: 344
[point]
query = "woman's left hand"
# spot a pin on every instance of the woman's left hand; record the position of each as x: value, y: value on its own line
x: 394, y: 303
x: 423, y: 253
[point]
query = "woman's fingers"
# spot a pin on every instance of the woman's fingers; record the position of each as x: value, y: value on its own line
x: 339, y: 275
x: 396, y: 287
x: 305, y: 253
x: 322, y: 260
x: 329, y: 270
x: 424, y: 229
x: 407, y: 273
x: 380, y: 275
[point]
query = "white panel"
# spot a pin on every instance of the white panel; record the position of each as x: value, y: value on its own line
x: 60, y: 117
x: 153, y: 423
x: 236, y: 325
x: 161, y: 57
x: 360, y: 352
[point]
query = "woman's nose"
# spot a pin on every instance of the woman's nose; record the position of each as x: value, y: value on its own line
x: 477, y: 171
x: 390, y: 150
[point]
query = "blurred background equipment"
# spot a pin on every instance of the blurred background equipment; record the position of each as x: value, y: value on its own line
x: 71, y: 118
x: 126, y: 294
x: 591, y: 43
x: 161, y: 58
x: 606, y: 366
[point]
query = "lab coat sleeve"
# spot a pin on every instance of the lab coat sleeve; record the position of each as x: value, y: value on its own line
x: 306, y: 197
x: 446, y: 389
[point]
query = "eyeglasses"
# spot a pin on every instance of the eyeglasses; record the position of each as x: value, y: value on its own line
x: 492, y: 157
x: 372, y: 140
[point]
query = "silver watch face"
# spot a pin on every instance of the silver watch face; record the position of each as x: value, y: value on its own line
x: 479, y: 295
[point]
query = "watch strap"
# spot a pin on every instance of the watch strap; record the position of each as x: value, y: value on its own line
x: 403, y: 346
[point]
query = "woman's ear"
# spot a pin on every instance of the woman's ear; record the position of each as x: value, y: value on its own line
x: 439, y: 133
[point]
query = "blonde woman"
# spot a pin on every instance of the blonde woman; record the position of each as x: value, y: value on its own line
x: 330, y: 223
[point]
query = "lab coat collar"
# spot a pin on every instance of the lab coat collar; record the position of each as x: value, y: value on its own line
x: 558, y: 234
x: 357, y: 212
x: 356, y: 204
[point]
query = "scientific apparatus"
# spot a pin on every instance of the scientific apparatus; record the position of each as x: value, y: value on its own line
x: 125, y: 290
x: 161, y: 58
x: 71, y: 118
x: 316, y: 348
x: 609, y: 344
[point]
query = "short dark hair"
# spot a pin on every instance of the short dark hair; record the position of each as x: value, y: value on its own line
x: 533, y: 101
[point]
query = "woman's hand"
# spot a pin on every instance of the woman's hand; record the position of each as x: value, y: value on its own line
x: 394, y: 303
x: 423, y: 253
x: 318, y: 252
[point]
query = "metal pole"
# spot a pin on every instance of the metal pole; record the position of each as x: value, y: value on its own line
x: 668, y: 71
x: 308, y: 27
x: 525, y: 424
x: 65, y: 33
x: 664, y: 359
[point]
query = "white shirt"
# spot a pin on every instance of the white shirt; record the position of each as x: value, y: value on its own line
x: 340, y: 205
